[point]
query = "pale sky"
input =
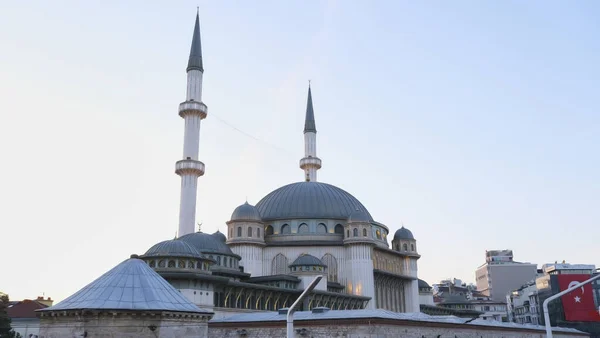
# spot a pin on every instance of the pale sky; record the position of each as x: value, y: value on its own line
x: 475, y: 123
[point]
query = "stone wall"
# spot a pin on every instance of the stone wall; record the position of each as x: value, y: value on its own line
x: 122, y: 325
x: 374, y: 329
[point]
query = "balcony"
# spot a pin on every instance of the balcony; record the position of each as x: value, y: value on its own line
x: 193, y: 108
x: 189, y: 166
x: 310, y: 162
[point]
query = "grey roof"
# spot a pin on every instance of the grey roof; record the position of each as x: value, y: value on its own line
x: 195, y: 60
x: 174, y: 248
x: 311, y: 200
x: 131, y: 285
x: 358, y: 216
x: 246, y: 212
x: 403, y: 233
x: 309, y: 316
x: 206, y: 243
x: 220, y: 236
x: 307, y: 259
x: 423, y: 284
x: 309, y: 122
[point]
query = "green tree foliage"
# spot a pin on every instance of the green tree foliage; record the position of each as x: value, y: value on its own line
x: 6, y: 330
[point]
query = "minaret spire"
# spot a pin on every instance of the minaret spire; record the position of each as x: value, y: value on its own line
x: 193, y: 111
x: 310, y: 163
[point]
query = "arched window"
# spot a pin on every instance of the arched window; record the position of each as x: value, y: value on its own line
x: 355, y: 232
x: 171, y: 264
x: 190, y: 265
x: 339, y: 229
x: 219, y: 260
x: 249, y: 232
x: 348, y: 233
x: 412, y: 247
x: 258, y: 232
x: 279, y: 265
x: 152, y: 264
x: 161, y: 263
x: 285, y: 229
x: 268, y: 230
x: 182, y: 263
x: 365, y: 232
x: 303, y: 228
x: 332, y: 269
x: 405, y: 247
x: 321, y: 228
x: 239, y: 234
x: 378, y: 234
x: 397, y: 247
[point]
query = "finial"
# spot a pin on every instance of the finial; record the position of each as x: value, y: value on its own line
x: 197, y: 10
x: 175, y: 235
x: 309, y: 83
x: 199, y: 227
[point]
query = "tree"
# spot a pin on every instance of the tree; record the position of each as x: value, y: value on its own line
x: 6, y: 330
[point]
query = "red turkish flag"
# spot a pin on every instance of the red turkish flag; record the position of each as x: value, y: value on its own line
x: 578, y: 304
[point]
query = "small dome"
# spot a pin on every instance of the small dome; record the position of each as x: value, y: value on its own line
x: 307, y: 259
x: 173, y: 247
x: 403, y: 233
x: 359, y: 216
x: 220, y: 236
x: 206, y: 243
x: 423, y: 284
x: 246, y: 212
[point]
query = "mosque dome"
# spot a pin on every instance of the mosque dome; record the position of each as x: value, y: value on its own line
x: 246, y: 212
x: 173, y: 247
x: 359, y: 216
x: 403, y: 233
x: 206, y: 243
x: 220, y: 236
x: 309, y: 200
x: 307, y: 259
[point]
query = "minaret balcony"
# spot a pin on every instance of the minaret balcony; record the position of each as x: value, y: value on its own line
x: 310, y: 162
x: 189, y: 166
x: 192, y: 107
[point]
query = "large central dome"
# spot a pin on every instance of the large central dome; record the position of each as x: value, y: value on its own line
x: 312, y: 200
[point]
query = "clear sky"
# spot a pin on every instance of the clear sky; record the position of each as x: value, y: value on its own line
x: 475, y: 123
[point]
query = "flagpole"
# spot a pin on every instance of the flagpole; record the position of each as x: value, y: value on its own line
x: 548, y: 300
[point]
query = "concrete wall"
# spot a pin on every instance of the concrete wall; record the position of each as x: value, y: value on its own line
x: 378, y: 330
x: 123, y: 325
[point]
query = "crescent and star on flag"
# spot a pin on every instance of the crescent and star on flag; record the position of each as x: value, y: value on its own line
x: 577, y: 298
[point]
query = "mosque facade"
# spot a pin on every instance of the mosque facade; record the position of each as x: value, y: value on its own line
x: 273, y: 249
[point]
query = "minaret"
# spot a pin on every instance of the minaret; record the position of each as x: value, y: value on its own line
x: 193, y: 111
x: 310, y: 163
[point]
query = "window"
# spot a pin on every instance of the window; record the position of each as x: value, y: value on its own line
x: 378, y: 234
x: 412, y: 247
x: 268, y: 230
x: 405, y: 247
x: 303, y: 228
x: 249, y: 232
x: 332, y: 269
x: 231, y: 233
x: 321, y: 228
x: 355, y: 232
x: 339, y: 229
x: 219, y: 260
x: 279, y: 265
x: 239, y: 232
x: 171, y: 264
x: 365, y: 232
x: 258, y: 232
x: 348, y: 233
x: 152, y: 264
x: 285, y: 229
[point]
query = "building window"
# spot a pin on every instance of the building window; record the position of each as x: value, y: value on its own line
x: 303, y: 228
x: 231, y: 233
x: 405, y: 247
x: 279, y: 265
x: 339, y: 229
x: 348, y: 233
x: 285, y: 229
x: 249, y: 232
x: 268, y: 230
x: 258, y: 232
x: 171, y: 264
x: 219, y: 260
x: 152, y: 264
x: 378, y: 234
x: 412, y: 247
x: 321, y: 228
x: 239, y: 232
x: 365, y: 232
x: 355, y: 232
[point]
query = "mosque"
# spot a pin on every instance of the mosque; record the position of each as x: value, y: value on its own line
x: 274, y: 249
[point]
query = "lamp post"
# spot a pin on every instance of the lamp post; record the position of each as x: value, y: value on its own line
x: 290, y: 313
x: 549, y: 299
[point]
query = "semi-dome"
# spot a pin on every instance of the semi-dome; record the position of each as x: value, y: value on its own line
x: 220, y: 236
x: 246, y: 212
x: 307, y: 259
x: 206, y: 243
x: 309, y: 200
x: 359, y: 216
x: 173, y: 247
x: 403, y: 233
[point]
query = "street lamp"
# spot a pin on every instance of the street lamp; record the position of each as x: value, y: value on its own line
x: 548, y: 300
x: 290, y: 313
